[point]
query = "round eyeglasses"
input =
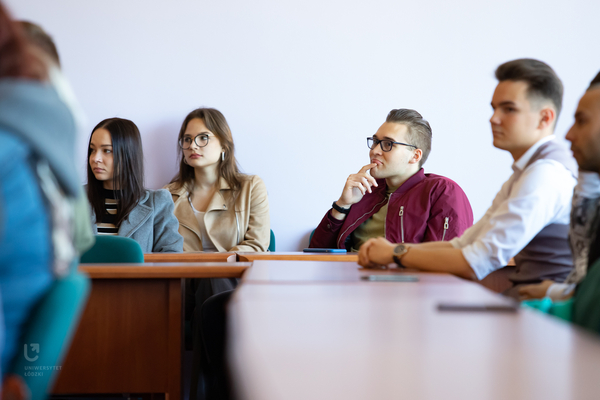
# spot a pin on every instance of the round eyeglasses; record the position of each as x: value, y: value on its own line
x: 201, y: 140
x: 386, y: 145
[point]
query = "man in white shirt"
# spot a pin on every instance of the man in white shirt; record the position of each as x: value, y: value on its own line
x: 529, y: 217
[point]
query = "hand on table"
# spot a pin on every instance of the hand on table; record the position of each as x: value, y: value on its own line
x: 536, y: 291
x: 376, y: 252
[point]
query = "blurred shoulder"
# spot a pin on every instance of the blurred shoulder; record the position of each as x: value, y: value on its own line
x: 160, y: 198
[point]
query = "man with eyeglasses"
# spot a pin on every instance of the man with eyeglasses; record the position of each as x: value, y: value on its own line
x: 529, y: 218
x: 393, y: 197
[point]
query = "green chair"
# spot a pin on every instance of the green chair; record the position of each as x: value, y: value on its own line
x: 311, y: 235
x: 586, y: 304
x: 48, y: 333
x: 559, y: 309
x: 113, y: 249
x: 272, y: 242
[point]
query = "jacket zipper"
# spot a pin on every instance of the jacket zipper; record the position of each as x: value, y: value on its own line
x: 386, y: 213
x: 402, y: 222
x: 354, y: 223
x: 401, y: 214
x: 446, y: 226
x: 237, y: 222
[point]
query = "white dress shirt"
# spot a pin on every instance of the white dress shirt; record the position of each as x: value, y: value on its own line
x: 530, y: 199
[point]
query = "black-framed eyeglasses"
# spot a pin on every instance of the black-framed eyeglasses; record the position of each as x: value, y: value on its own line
x: 201, y: 140
x: 386, y: 145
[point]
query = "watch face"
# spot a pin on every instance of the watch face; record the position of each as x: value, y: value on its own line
x: 400, y: 249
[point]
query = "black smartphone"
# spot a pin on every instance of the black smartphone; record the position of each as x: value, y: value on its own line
x: 324, y: 250
x: 479, y: 307
x: 389, y: 278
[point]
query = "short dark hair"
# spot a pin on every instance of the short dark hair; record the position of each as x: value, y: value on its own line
x: 595, y: 81
x: 128, y: 169
x: 541, y: 79
x: 419, y: 130
x: 17, y: 60
x: 38, y: 36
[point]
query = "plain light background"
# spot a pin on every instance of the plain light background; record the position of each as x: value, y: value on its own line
x: 303, y: 83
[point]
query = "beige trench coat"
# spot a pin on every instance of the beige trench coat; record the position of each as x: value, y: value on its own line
x: 243, y: 226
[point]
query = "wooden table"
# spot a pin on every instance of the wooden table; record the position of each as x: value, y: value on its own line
x: 129, y: 339
x: 325, y: 338
x: 297, y: 272
x: 189, y: 257
x: 299, y: 256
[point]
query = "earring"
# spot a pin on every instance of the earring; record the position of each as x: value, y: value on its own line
x: 223, y: 156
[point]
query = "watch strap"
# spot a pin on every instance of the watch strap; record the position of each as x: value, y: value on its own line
x: 340, y: 209
x: 399, y: 251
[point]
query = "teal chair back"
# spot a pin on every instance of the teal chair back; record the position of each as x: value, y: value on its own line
x: 113, y: 249
x: 48, y: 333
x: 559, y: 309
x: 586, y: 303
x: 272, y: 242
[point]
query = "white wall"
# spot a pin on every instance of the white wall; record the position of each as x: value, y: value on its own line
x: 303, y: 83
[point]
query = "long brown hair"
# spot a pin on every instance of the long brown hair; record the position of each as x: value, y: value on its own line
x: 18, y: 58
x: 228, y: 168
x: 128, y: 169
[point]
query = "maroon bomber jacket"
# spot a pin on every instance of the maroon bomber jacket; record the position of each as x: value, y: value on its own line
x: 425, y: 208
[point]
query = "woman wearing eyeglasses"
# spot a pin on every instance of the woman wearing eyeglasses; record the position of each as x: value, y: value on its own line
x: 218, y: 208
x: 120, y: 203
x: 392, y: 196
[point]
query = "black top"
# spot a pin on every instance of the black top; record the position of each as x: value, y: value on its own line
x: 107, y: 221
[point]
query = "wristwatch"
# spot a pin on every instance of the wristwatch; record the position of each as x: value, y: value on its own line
x: 399, y: 251
x: 340, y: 209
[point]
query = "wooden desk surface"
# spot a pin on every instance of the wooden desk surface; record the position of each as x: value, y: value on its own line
x: 166, y: 270
x: 388, y: 341
x: 189, y: 257
x: 298, y: 256
x: 287, y: 271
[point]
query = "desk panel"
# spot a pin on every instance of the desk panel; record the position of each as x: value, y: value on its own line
x: 129, y: 339
x: 299, y: 256
x: 189, y: 257
x: 166, y: 270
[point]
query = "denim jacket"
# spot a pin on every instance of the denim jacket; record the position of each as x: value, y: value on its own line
x: 152, y: 224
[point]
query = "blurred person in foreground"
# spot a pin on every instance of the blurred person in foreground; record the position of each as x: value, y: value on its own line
x: 38, y: 183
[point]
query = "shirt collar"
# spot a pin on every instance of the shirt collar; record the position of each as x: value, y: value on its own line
x: 521, y: 163
x: 187, y: 188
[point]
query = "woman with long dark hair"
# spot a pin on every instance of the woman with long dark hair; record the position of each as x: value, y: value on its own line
x: 120, y: 203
